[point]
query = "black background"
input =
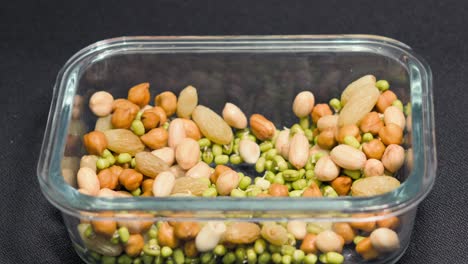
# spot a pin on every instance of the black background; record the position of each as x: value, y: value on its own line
x: 37, y: 39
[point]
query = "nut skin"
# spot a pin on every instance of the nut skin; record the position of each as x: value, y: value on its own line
x: 100, y: 103
x: 371, y: 123
x: 134, y: 245
x: 139, y: 94
x: 278, y: 190
x: 385, y: 100
x: 107, y: 179
x: 342, y: 185
x: 308, y: 244
x: 391, y: 134
x: 186, y: 230
x: 261, y: 127
x: 326, y: 138
x: 95, y: 142
x: 166, y: 236
x: 130, y: 179
x: 348, y: 130
x: 122, y: 118
x: 150, y: 119
x: 319, y: 111
x: 156, y: 138
x: 167, y: 101
x: 303, y: 104
x: 104, y: 227
x: 373, y: 149
x: 393, y: 157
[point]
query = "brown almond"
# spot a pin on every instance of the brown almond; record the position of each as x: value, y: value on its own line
x: 123, y: 141
x: 241, y: 233
x: 149, y: 164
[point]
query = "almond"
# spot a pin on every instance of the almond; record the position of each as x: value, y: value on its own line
x: 189, y: 185
x: 241, y: 233
x: 374, y: 185
x: 149, y: 164
x: 298, y: 151
x: 348, y: 157
x: 359, y: 105
x: 123, y: 141
x: 261, y: 127
x: 212, y: 125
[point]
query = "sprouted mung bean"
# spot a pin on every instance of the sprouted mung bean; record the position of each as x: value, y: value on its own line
x: 285, y: 160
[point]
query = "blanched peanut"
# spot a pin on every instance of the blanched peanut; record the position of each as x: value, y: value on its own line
x: 329, y: 241
x: 249, y: 151
x: 384, y: 240
x: 166, y: 236
x: 176, y: 132
x: 130, y: 179
x: 191, y: 129
x: 209, y: 236
x: 345, y: 231
x: 373, y: 167
x: 234, y: 116
x: 342, y: 185
x: 166, y: 154
x: 163, y: 184
x: 298, y: 229
x: 308, y: 244
x: 303, y: 104
x: 89, y: 161
x: 366, y: 250
x: 134, y: 245
x: 177, y: 171
x: 88, y: 180
x: 219, y: 169
x: 187, y: 153
x: 226, y: 182
x: 327, y: 122
x: 393, y: 157
x: 278, y: 190
x: 139, y: 94
x: 100, y: 103
x: 394, y: 115
x: 373, y: 149
x: 200, y: 170
x: 325, y: 169
x: 348, y: 157
x: 282, y: 143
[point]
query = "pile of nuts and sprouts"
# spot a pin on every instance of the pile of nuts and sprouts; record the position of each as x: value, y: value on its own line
x: 350, y: 146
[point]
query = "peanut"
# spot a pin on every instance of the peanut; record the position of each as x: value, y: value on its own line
x: 100, y: 103
x: 261, y: 127
x: 393, y: 157
x: 200, y: 170
x: 163, y: 184
x: 190, y: 249
x: 366, y: 226
x: 384, y: 240
x: 226, y: 182
x: 166, y: 154
x: 394, y: 115
x: 147, y: 185
x: 391, y: 222
x: 312, y: 191
x: 125, y: 104
x: 274, y: 233
x: 303, y: 104
x: 249, y: 151
x: 176, y: 132
x: 282, y: 143
x: 298, y: 229
x: 187, y: 153
x: 327, y: 122
x: 373, y: 167
x: 298, y: 151
x: 241, y: 233
x: 326, y: 169
x: 209, y: 236
x: 348, y: 157
x: 88, y: 180
x: 219, y: 169
x: 191, y: 129
x: 329, y: 241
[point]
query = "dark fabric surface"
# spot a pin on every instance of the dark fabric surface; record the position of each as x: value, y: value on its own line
x: 37, y: 38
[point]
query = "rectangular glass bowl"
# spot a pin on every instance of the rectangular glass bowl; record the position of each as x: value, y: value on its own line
x: 260, y: 74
